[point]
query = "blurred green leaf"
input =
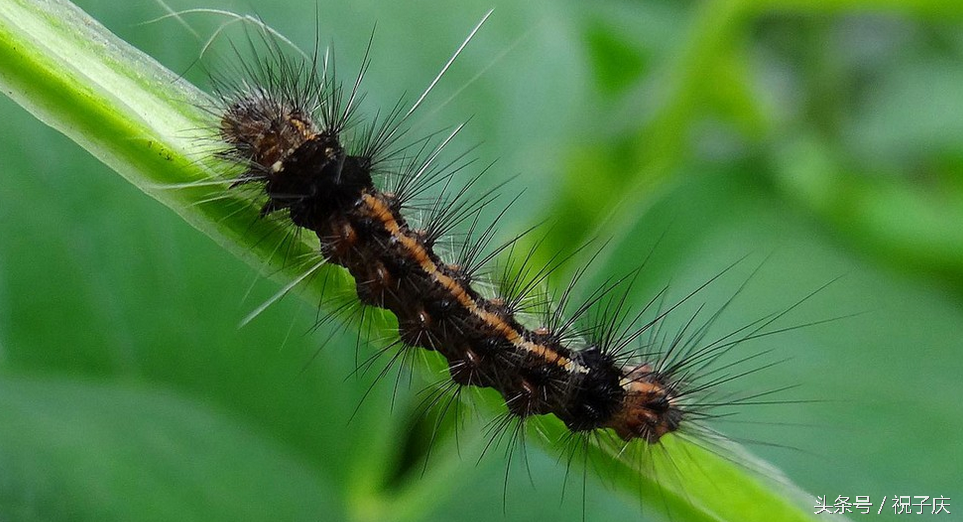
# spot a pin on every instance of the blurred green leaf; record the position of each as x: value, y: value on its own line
x: 75, y: 450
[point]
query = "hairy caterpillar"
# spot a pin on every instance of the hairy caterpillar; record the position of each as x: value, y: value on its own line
x: 313, y: 160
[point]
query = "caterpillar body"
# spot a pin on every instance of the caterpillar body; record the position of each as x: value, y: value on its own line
x: 294, y: 147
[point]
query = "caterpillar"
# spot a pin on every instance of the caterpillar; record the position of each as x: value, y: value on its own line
x: 288, y: 127
x: 318, y: 164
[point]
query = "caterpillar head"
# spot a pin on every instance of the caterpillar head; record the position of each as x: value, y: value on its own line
x: 650, y: 407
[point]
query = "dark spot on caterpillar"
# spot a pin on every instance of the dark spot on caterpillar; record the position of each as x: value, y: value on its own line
x: 464, y: 371
x: 414, y: 327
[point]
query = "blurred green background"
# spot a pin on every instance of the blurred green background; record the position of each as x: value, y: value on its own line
x: 821, y: 138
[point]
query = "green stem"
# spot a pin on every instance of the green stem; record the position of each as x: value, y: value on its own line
x: 130, y: 112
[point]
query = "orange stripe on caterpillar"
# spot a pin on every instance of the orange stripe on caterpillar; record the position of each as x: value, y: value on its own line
x: 380, y: 211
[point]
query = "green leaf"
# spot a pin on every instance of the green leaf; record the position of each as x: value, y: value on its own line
x: 78, y: 450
